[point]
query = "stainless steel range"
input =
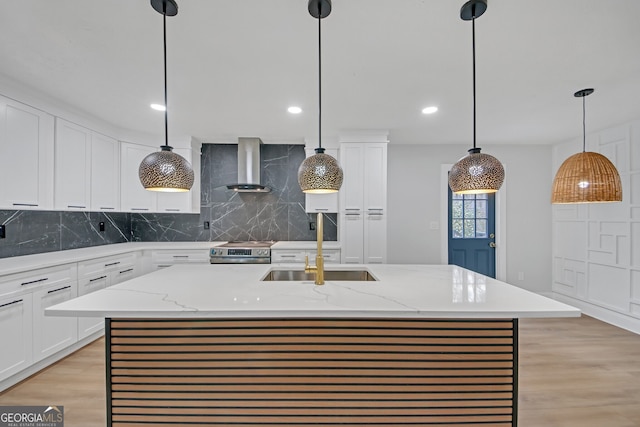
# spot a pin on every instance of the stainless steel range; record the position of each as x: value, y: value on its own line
x: 251, y: 252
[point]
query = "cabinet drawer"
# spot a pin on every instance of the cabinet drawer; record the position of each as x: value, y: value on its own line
x: 287, y: 256
x: 180, y: 257
x: 38, y: 278
x: 331, y: 256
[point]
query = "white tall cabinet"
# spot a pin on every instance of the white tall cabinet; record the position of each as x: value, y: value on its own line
x: 26, y: 146
x: 363, y: 203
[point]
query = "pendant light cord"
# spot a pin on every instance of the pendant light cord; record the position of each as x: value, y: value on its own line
x: 166, y: 107
x: 473, y: 43
x: 320, y: 75
x: 584, y: 127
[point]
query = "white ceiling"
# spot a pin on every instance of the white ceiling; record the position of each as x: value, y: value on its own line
x: 234, y: 66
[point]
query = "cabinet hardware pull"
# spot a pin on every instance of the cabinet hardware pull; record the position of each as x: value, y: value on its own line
x: 58, y: 290
x: 11, y: 303
x: 352, y: 209
x: 105, y: 208
x: 76, y: 206
x: 97, y: 278
x: 322, y: 209
x: 287, y: 256
x: 375, y: 214
x: 34, y: 281
x: 113, y: 263
x: 181, y: 256
x: 172, y: 210
x: 24, y: 204
x: 352, y: 214
x: 139, y: 209
x: 126, y: 271
x: 164, y: 265
x: 375, y: 209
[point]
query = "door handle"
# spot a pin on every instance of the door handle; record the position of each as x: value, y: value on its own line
x: 492, y: 244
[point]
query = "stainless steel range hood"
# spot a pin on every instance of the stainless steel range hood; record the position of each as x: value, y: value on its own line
x: 249, y: 167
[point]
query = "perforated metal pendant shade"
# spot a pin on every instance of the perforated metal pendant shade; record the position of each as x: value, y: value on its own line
x: 166, y: 171
x: 476, y: 173
x: 320, y: 174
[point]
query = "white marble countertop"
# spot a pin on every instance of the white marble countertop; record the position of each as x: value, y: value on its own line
x: 228, y: 291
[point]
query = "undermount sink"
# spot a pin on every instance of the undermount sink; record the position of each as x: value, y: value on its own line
x: 329, y: 275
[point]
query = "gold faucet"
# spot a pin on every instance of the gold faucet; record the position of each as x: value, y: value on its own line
x: 318, y: 269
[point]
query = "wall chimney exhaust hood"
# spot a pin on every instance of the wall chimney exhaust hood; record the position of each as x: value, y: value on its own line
x: 249, y: 167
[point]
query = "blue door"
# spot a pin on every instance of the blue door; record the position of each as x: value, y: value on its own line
x: 472, y: 232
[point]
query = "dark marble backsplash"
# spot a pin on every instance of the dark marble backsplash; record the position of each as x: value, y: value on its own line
x: 278, y: 215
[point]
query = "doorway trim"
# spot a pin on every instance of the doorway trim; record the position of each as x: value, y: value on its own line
x: 501, y: 223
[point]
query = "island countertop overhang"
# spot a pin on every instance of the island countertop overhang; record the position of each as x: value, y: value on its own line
x: 237, y: 291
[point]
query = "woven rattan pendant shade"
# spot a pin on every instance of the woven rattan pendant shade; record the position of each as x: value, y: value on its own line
x: 587, y: 177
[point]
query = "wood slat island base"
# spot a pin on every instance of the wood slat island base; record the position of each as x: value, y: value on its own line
x: 319, y: 372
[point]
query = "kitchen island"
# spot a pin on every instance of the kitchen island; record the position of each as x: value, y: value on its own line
x: 217, y: 345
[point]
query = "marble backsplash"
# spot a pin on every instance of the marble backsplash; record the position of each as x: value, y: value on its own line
x: 278, y: 215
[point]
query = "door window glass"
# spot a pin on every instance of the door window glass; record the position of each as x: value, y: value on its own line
x: 469, y: 216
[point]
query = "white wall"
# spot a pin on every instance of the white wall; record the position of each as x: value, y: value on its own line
x: 414, y: 204
x: 596, y: 247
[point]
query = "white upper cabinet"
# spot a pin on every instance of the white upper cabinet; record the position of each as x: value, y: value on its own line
x: 324, y: 203
x: 72, y: 166
x: 26, y: 147
x: 105, y: 173
x: 133, y: 196
x: 86, y: 169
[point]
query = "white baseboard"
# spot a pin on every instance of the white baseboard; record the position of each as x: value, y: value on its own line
x: 617, y: 319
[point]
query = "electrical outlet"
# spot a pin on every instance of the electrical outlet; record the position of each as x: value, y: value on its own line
x: 312, y: 226
x: 206, y: 225
x: 3, y: 232
x: 101, y: 226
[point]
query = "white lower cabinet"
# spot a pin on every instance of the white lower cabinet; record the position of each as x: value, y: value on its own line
x: 16, y: 320
x: 101, y: 273
x: 331, y: 256
x: 52, y: 334
x: 159, y: 259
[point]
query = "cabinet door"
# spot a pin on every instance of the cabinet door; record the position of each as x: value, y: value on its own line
x: 352, y: 162
x: 133, y: 196
x: 321, y: 202
x: 72, y: 166
x: 176, y: 202
x: 16, y: 319
x: 105, y: 173
x: 375, y: 177
x: 26, y: 147
x: 375, y: 238
x: 351, y: 238
x: 87, y: 285
x: 52, y: 334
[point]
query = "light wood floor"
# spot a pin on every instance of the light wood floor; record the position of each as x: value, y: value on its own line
x: 573, y: 373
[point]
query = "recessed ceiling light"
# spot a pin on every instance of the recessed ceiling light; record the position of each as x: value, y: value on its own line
x: 294, y: 110
x: 429, y: 110
x: 158, y: 107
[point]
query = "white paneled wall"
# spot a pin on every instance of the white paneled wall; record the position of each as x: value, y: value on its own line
x: 596, y: 247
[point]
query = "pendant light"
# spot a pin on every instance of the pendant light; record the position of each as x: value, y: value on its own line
x: 320, y: 173
x: 475, y: 173
x: 165, y: 170
x: 586, y: 177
